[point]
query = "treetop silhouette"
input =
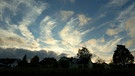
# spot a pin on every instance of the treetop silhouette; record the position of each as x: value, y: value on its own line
x: 122, y: 56
x: 84, y: 55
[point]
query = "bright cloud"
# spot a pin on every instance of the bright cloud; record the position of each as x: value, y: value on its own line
x: 130, y: 42
x: 83, y: 19
x: 102, y: 48
x: 33, y: 10
x: 112, y: 32
x: 130, y: 26
x: 71, y: 34
x: 46, y: 26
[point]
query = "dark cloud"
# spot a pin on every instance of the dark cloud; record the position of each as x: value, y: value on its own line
x: 19, y: 53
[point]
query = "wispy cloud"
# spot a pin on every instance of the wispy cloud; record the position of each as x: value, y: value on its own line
x: 70, y: 35
x: 9, y: 38
x: 117, y: 3
x: 66, y: 14
x: 83, y: 20
x: 130, y: 42
x: 74, y: 34
x: 101, y: 47
x: 112, y: 32
x: 46, y: 26
x: 127, y: 18
x: 130, y: 26
x: 123, y: 15
x: 124, y: 23
x: 32, y: 10
x: 35, y: 9
x: 64, y: 1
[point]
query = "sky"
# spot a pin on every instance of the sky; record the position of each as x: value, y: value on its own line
x: 64, y: 26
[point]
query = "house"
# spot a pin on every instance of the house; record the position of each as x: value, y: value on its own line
x: 8, y: 62
x: 49, y: 62
x: 74, y: 63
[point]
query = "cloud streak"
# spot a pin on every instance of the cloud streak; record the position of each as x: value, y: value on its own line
x: 32, y: 10
x: 117, y: 3
x: 101, y: 47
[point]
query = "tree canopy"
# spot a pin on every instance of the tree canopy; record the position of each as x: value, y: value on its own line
x: 84, y: 55
x: 122, y: 56
x: 35, y: 59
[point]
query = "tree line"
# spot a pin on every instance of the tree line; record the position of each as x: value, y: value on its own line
x: 122, y: 57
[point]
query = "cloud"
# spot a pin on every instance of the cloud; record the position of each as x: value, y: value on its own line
x: 6, y: 4
x: 124, y: 26
x: 117, y: 3
x: 101, y: 47
x: 73, y: 35
x: 70, y: 34
x: 123, y: 21
x: 17, y: 22
x: 112, y: 32
x: 46, y: 27
x: 10, y: 39
x: 25, y: 32
x: 19, y: 53
x: 34, y: 11
x: 65, y: 1
x: 130, y: 42
x: 130, y: 26
x: 83, y: 19
x: 66, y: 14
x: 123, y: 15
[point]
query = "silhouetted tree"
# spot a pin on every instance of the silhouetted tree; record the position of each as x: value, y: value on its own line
x: 99, y: 61
x: 100, y: 64
x: 24, y: 59
x: 122, y: 56
x: 35, y: 59
x: 84, y: 55
x: 64, y: 62
x: 23, y: 62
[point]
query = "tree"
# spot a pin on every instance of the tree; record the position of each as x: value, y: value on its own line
x: 122, y: 56
x: 64, y: 62
x: 24, y: 59
x: 84, y: 55
x: 99, y: 61
x: 35, y: 59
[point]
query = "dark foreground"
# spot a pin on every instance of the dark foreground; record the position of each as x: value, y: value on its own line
x: 39, y: 71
